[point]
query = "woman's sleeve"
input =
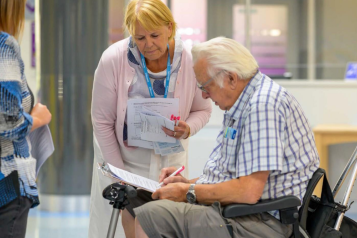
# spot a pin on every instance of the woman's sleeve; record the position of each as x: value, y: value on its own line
x: 200, y: 112
x: 104, y: 111
x: 15, y: 124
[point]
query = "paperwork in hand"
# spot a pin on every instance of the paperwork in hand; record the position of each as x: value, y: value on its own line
x: 164, y: 148
x: 42, y: 145
x: 151, y: 124
x: 163, y: 106
x: 128, y: 178
x: 151, y: 131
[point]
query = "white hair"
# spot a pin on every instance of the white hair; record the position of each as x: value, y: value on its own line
x: 223, y: 54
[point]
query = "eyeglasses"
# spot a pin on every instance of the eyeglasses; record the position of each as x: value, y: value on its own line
x: 202, y: 87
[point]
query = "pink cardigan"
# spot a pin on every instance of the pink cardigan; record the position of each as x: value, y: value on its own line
x: 112, y: 79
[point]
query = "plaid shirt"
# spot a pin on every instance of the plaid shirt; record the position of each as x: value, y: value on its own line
x: 272, y: 134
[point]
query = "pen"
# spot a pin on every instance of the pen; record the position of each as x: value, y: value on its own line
x: 173, y: 174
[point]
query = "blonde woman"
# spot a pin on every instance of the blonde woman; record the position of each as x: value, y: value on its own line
x: 122, y: 75
x: 18, y: 116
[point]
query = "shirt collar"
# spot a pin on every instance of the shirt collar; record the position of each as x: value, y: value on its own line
x: 243, y: 99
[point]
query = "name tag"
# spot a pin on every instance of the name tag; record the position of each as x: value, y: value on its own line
x: 230, y: 133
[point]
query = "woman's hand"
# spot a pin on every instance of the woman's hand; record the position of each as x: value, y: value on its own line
x: 181, y: 131
x: 41, y: 116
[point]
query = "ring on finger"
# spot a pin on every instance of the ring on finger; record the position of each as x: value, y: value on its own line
x: 174, y: 133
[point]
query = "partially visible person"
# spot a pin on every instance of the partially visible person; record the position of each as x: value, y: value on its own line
x: 265, y: 150
x: 18, y: 116
x: 130, y: 69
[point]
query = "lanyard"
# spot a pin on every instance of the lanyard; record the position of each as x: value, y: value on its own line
x: 168, y: 71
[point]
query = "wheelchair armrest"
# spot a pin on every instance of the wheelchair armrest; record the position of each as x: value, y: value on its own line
x: 236, y: 210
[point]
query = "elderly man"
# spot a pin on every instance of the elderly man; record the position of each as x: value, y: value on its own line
x: 265, y: 150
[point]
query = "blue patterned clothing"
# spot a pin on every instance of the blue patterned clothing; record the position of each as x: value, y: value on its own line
x: 16, y: 102
x: 272, y: 134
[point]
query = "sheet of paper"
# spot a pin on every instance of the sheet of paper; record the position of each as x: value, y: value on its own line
x: 164, y: 106
x: 42, y: 145
x: 151, y: 128
x: 134, y: 179
x: 169, y: 148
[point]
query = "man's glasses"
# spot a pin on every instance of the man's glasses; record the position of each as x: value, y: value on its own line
x: 202, y: 87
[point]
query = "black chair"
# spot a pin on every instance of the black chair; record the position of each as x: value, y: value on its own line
x: 290, y: 214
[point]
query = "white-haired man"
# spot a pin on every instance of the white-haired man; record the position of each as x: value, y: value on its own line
x: 265, y: 150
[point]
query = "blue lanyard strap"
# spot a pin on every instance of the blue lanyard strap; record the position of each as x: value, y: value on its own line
x: 168, y: 72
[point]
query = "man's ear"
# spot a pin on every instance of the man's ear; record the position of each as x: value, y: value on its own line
x: 233, y: 80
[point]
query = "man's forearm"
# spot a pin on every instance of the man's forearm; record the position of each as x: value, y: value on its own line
x: 191, y: 181
x: 246, y: 189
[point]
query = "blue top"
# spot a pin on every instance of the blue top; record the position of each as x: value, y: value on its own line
x: 272, y: 134
x: 16, y: 102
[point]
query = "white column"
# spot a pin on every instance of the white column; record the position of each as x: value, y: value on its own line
x: 247, y: 24
x: 311, y: 41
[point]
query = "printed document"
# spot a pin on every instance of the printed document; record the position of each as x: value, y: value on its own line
x: 133, y: 179
x: 164, y: 148
x: 151, y: 124
x: 42, y: 145
x: 163, y: 106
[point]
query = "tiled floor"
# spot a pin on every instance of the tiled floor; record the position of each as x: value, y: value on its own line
x: 57, y: 225
x: 60, y: 225
x: 66, y: 225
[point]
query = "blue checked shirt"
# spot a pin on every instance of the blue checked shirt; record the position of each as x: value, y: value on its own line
x: 272, y: 134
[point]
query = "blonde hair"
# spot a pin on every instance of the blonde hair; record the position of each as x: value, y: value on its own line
x: 228, y: 55
x: 151, y: 14
x: 12, y: 16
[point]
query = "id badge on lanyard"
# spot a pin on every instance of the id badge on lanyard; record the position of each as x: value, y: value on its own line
x: 147, y: 78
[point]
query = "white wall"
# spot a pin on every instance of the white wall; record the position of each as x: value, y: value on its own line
x: 326, y: 102
x: 323, y: 102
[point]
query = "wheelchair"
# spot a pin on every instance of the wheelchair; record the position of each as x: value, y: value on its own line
x: 317, y: 217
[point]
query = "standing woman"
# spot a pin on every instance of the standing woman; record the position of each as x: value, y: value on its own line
x: 121, y: 75
x: 18, y: 189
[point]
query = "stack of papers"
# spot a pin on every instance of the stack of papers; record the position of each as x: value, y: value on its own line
x: 151, y: 124
x: 146, y: 117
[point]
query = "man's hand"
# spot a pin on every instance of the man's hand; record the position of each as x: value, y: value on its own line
x: 166, y: 172
x: 174, y: 191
